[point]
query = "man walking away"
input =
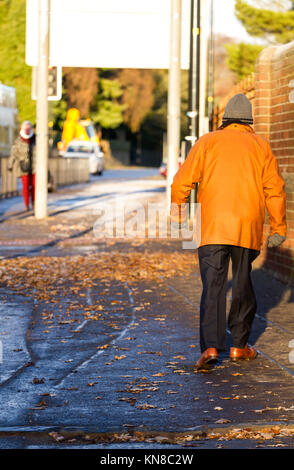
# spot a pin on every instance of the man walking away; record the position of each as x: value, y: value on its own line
x: 23, y: 154
x: 238, y: 178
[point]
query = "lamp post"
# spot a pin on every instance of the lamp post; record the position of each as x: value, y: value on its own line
x: 194, y: 76
x: 194, y: 82
x: 174, y: 96
x: 42, y: 112
x: 211, y: 71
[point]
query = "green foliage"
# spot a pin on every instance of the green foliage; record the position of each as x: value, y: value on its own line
x: 277, y: 26
x: 109, y: 114
x: 107, y: 110
x: 13, y: 70
x: 155, y: 123
x: 241, y: 58
x: 274, y: 26
x: 110, y: 89
x: 59, y: 111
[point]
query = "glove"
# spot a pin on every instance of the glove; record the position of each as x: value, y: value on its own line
x: 275, y: 240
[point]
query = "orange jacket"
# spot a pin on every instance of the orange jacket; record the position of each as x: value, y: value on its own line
x: 238, y: 177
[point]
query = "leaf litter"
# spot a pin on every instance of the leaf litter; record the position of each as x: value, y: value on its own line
x: 48, y: 275
x: 260, y: 435
x: 49, y: 280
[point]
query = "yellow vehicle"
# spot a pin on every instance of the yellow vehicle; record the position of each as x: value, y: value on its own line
x: 88, y: 125
x: 76, y: 129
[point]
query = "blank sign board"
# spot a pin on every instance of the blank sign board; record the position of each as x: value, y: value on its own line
x: 108, y: 33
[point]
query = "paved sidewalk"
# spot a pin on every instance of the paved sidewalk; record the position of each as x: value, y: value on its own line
x: 100, y: 339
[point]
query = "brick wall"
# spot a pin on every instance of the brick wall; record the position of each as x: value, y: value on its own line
x: 273, y: 108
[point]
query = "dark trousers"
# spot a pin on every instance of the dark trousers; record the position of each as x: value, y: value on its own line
x: 214, y: 263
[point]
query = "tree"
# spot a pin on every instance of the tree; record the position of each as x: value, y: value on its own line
x: 59, y: 110
x: 13, y: 70
x: 137, y: 86
x: 241, y: 58
x: 224, y: 78
x: 107, y: 110
x: 268, y: 19
x: 275, y: 26
x: 155, y: 122
x: 81, y: 85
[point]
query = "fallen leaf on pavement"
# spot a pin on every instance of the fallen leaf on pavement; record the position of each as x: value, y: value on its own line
x: 38, y: 381
x: 56, y: 436
x: 145, y: 406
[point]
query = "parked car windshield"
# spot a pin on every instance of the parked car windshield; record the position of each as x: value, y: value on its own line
x: 81, y: 148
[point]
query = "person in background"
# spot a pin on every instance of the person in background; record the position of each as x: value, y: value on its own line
x: 23, y: 155
x: 238, y: 178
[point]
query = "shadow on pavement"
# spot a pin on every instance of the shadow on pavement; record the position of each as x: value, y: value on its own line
x: 16, y: 215
x: 269, y: 292
x: 50, y: 244
x: 77, y: 199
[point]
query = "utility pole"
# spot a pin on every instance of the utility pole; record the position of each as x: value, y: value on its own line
x: 174, y: 95
x: 203, y: 119
x: 42, y: 112
x: 211, y: 71
x: 194, y: 77
x: 194, y: 81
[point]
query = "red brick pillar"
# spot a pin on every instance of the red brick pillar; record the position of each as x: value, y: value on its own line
x: 263, y: 93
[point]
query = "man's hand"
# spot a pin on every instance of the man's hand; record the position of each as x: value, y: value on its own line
x: 275, y: 240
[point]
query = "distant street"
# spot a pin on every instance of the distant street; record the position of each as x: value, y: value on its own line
x: 107, y: 186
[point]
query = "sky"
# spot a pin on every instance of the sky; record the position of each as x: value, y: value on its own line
x: 226, y: 22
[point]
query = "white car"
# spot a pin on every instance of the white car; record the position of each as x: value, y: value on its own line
x: 87, y: 149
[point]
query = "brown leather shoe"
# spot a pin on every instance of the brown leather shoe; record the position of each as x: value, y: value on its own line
x: 246, y: 353
x: 207, y: 359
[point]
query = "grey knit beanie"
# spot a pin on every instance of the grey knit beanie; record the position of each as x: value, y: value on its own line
x: 238, y: 108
